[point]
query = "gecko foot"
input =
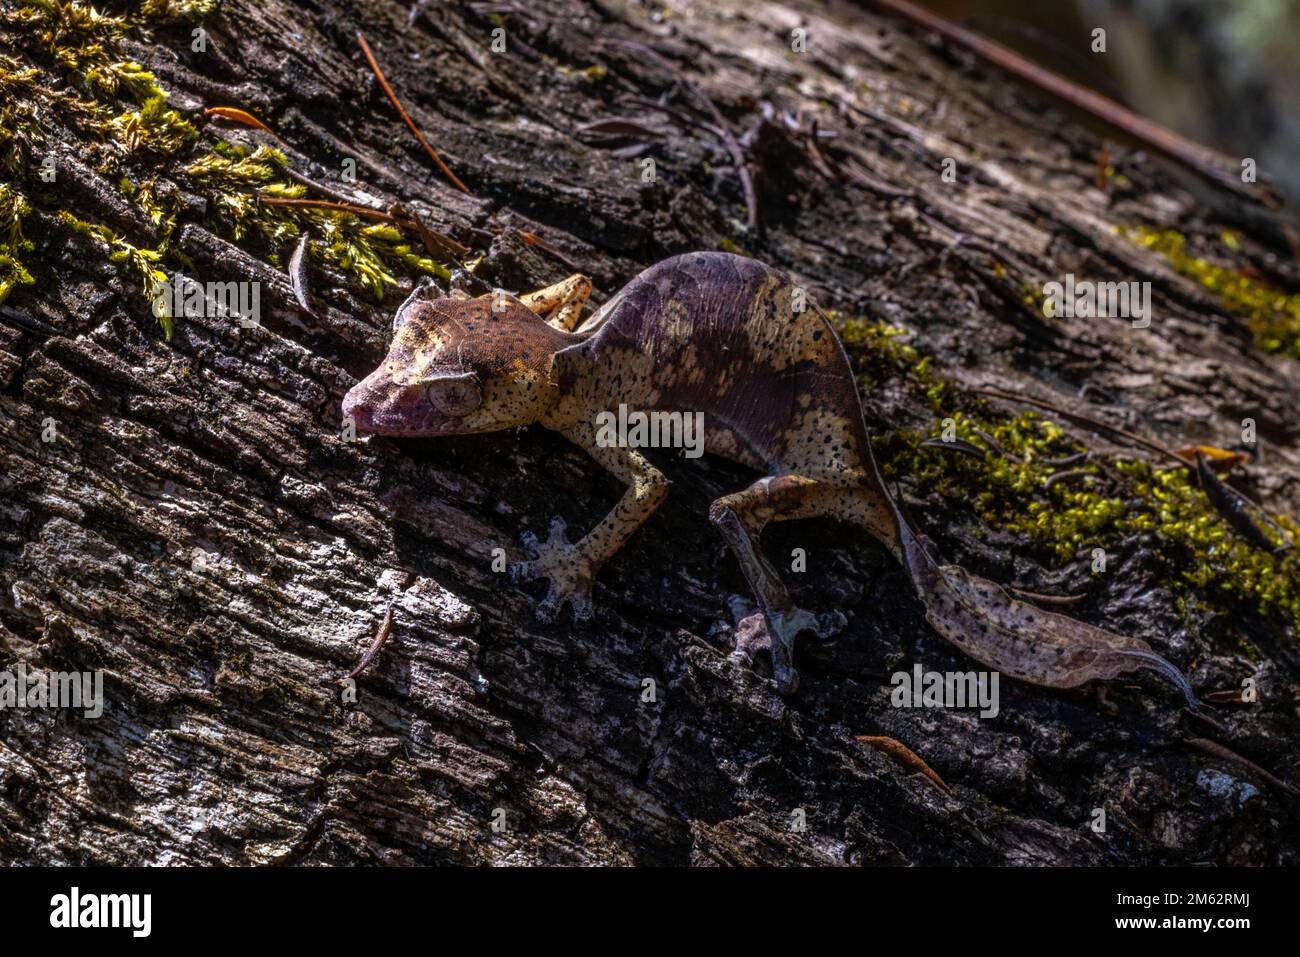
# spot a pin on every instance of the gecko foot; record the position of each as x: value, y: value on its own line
x: 775, y: 634
x: 562, y: 564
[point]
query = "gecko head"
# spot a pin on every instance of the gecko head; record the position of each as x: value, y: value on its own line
x: 458, y: 366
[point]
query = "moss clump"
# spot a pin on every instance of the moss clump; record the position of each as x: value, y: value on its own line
x: 373, y: 253
x: 13, y: 208
x: 154, y: 126
x: 880, y: 354
x: 67, y: 68
x: 237, y: 177
x: 76, y: 35
x: 176, y: 11
x: 1100, y: 502
x: 1273, y: 316
x: 232, y: 176
x: 144, y: 263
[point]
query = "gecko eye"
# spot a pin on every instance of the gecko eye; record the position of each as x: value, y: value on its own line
x: 455, y: 395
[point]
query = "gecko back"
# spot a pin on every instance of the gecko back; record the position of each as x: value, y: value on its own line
x: 737, y: 341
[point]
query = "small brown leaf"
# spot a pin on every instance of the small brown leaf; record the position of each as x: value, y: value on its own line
x: 1230, y: 697
x: 905, y: 756
x: 1220, y: 460
x: 238, y: 116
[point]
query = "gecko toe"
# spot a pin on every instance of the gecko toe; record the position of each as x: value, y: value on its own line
x: 580, y: 602
x: 775, y: 635
x: 559, y: 532
x: 548, y: 609
x: 830, y: 624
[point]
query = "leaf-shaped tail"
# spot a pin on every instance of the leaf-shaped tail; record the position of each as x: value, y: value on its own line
x: 1019, y: 640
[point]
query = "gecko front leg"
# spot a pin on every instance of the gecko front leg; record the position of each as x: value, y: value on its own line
x: 563, y: 300
x: 571, y: 567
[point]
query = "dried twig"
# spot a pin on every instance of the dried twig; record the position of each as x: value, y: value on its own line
x: 385, y: 629
x: 724, y: 132
x: 1069, y: 475
x: 410, y: 221
x: 368, y: 212
x: 1083, y: 420
x: 532, y: 239
x: 321, y: 188
x: 1151, y: 134
x: 1219, y: 751
x: 955, y: 445
x: 433, y: 154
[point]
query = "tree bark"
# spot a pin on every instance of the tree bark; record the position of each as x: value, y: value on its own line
x: 203, y: 531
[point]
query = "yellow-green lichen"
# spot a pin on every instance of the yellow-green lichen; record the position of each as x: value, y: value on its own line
x: 175, y: 11
x: 1272, y: 315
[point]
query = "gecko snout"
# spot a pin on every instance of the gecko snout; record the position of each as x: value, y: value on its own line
x: 380, y: 406
x: 371, y: 403
x: 354, y: 407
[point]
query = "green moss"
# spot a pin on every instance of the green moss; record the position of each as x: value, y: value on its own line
x: 372, y: 253
x: 161, y: 210
x: 154, y: 126
x: 67, y: 67
x: 1272, y: 315
x: 1105, y: 501
x: 232, y: 176
x: 235, y: 177
x: 880, y: 353
x: 144, y: 263
x: 29, y: 106
x: 176, y: 11
x: 13, y: 208
x: 72, y: 32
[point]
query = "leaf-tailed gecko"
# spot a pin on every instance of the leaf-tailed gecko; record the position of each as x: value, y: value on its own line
x: 729, y: 337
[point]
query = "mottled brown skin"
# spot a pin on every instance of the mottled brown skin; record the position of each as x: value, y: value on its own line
x: 729, y: 337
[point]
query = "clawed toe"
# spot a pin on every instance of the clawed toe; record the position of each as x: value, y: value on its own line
x: 564, y: 565
x: 776, y: 633
x: 830, y: 624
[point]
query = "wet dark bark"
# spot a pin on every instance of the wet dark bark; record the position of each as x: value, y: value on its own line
x: 223, y: 740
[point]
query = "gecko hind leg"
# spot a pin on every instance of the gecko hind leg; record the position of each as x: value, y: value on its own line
x: 740, y: 518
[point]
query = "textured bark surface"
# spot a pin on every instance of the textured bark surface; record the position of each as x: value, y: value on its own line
x: 224, y: 739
